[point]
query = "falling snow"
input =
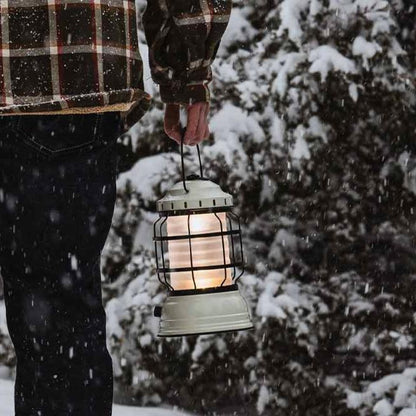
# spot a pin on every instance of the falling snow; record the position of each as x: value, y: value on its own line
x: 312, y: 130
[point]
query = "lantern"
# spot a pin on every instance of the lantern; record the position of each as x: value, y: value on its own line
x: 198, y: 248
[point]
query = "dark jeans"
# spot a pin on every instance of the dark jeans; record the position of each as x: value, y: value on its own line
x: 57, y: 195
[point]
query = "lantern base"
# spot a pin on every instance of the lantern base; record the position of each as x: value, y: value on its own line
x: 204, y: 314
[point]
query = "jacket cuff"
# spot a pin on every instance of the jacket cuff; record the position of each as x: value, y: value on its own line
x: 179, y: 93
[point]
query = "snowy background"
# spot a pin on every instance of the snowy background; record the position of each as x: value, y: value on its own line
x: 313, y: 123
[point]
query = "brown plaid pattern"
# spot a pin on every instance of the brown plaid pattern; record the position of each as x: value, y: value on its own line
x: 82, y: 55
x: 183, y: 38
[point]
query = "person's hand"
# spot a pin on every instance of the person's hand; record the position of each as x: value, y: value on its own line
x: 197, y: 122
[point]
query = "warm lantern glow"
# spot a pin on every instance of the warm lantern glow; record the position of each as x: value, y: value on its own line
x: 206, y: 251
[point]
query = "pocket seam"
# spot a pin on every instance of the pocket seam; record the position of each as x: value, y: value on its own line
x: 50, y: 152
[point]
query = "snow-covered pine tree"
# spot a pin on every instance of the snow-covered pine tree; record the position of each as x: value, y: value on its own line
x: 313, y: 121
x: 393, y: 394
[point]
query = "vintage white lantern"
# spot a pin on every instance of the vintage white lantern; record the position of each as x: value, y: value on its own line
x: 198, y: 248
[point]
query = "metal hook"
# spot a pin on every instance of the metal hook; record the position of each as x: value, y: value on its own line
x: 183, y: 131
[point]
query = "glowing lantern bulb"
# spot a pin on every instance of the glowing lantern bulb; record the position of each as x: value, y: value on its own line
x: 206, y: 251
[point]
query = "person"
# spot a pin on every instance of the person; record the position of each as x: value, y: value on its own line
x: 71, y: 83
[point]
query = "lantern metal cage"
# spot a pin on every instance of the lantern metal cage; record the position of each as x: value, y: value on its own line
x: 229, y: 236
x: 199, y: 259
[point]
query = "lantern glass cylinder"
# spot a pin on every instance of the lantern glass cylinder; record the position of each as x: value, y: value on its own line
x: 210, y: 253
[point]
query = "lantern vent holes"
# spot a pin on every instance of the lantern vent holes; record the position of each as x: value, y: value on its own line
x: 201, y: 194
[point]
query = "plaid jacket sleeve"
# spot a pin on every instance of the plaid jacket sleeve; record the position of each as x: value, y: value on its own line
x: 183, y: 37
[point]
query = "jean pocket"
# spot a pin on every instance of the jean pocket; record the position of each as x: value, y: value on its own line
x: 54, y: 135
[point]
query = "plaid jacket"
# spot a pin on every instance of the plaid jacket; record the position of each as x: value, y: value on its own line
x: 75, y: 56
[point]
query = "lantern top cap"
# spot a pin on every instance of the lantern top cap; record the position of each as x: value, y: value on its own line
x: 202, y: 194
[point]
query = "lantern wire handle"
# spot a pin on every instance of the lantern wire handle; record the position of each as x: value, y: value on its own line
x: 183, y: 167
x: 200, y: 163
x: 183, y: 130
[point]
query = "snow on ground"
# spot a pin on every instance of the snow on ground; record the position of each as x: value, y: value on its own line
x: 7, y: 406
